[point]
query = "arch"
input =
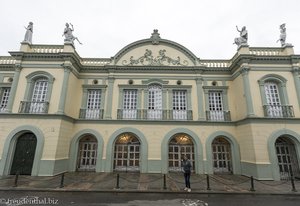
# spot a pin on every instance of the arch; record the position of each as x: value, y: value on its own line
x: 74, y: 149
x: 38, y: 74
x: 10, y: 144
x: 32, y: 77
x: 166, y: 42
x: 280, y: 84
x: 272, y: 77
x: 197, y: 144
x: 294, y: 137
x: 235, y: 151
x: 110, y: 148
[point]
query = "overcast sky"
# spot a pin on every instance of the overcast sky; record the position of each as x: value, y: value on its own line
x: 205, y: 27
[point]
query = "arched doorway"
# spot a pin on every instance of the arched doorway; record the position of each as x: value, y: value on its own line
x: 127, y: 153
x: 180, y: 145
x: 221, y: 153
x: 87, y: 153
x: 24, y: 154
x: 287, y: 158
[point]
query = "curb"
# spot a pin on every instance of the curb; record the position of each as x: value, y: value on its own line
x: 149, y: 191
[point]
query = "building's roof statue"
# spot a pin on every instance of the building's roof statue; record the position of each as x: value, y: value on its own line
x: 28, y: 34
x: 282, y: 36
x: 155, y: 37
x: 243, y: 39
x: 68, y: 33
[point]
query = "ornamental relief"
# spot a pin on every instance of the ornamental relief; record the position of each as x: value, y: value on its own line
x: 149, y: 60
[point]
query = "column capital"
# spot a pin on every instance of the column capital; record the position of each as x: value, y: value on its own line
x: 296, y: 70
x: 244, y: 70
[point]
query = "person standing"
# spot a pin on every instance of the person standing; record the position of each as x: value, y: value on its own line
x: 187, y: 168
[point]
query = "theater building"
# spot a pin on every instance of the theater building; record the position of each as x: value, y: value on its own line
x: 144, y: 108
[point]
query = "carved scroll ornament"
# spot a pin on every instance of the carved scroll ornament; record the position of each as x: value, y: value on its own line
x: 161, y: 60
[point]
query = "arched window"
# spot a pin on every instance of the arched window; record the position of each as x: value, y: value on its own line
x: 37, y: 93
x: 274, y: 97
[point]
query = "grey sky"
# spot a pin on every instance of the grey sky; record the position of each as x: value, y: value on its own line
x: 205, y: 27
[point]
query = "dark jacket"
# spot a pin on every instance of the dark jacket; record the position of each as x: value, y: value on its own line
x: 186, y: 166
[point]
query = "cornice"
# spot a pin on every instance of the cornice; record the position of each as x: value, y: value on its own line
x: 247, y: 120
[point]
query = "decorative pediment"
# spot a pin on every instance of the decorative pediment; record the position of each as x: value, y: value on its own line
x: 155, y: 51
x: 148, y: 59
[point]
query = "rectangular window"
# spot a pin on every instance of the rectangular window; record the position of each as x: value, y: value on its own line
x: 4, y: 99
x: 93, y: 104
x: 38, y: 102
x: 129, y: 104
x: 273, y: 100
x: 179, y: 105
x: 154, y: 102
x: 215, y: 106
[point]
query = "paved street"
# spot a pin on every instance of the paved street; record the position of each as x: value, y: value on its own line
x: 136, y: 189
x: 135, y: 182
x: 12, y: 198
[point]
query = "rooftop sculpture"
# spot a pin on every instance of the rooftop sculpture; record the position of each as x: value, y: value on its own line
x: 243, y: 39
x: 68, y: 33
x: 28, y: 34
x: 282, y: 36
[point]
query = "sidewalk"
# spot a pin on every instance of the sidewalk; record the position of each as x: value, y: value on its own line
x: 137, y: 182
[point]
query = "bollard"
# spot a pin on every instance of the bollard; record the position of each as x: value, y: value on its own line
x: 293, y: 184
x: 252, y: 185
x: 165, y: 182
x: 62, y: 180
x: 207, y: 182
x: 16, y: 179
x: 118, y: 182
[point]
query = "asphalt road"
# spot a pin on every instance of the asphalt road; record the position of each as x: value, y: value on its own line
x: 14, y: 198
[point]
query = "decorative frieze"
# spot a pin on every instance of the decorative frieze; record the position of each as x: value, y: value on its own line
x: 149, y: 60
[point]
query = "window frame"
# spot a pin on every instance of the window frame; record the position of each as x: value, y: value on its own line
x: 281, y: 85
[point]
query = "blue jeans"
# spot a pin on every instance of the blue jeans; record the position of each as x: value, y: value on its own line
x: 187, y: 176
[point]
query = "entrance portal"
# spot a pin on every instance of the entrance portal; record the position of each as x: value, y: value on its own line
x: 87, y: 154
x: 24, y: 154
x: 127, y: 153
x: 221, y: 151
x: 180, y: 145
x: 287, y: 158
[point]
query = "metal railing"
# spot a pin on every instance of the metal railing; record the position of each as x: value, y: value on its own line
x: 91, y: 113
x: 34, y: 107
x: 278, y: 111
x: 218, y: 116
x: 154, y: 114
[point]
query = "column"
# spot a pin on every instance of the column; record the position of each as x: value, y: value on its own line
x: 63, y: 96
x: 13, y: 89
x: 110, y: 88
x: 201, y: 115
x: 296, y: 73
x: 247, y: 92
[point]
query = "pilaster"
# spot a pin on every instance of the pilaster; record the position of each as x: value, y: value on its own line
x: 14, y: 87
x: 247, y: 91
x: 296, y: 75
x: 110, y: 88
x: 63, y: 96
x: 200, y: 94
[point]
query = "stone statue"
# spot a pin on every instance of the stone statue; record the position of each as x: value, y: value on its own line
x: 243, y: 39
x: 68, y: 33
x: 282, y: 36
x: 155, y: 37
x: 28, y: 34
